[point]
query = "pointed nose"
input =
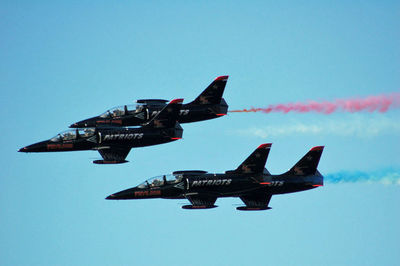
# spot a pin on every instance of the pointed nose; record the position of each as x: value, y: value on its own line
x: 24, y: 149
x: 112, y: 196
x: 80, y: 124
x: 117, y: 196
x: 37, y: 147
x: 125, y: 194
x: 84, y: 123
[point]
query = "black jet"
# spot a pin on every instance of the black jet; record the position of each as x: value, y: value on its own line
x: 251, y: 182
x: 114, y: 143
x: 208, y: 105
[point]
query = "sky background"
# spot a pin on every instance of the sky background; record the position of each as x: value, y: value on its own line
x: 64, y: 62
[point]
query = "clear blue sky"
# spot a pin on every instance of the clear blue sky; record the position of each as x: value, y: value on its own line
x: 63, y: 62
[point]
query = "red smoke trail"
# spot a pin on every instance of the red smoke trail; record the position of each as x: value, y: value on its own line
x: 380, y: 103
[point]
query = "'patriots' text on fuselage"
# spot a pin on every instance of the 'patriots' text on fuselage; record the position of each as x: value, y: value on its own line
x: 114, y: 143
x: 251, y: 182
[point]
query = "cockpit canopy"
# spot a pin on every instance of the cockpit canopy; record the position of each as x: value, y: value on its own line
x: 161, y: 180
x: 123, y: 110
x: 73, y: 134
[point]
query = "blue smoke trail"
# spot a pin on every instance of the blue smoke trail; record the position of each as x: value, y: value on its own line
x: 384, y: 176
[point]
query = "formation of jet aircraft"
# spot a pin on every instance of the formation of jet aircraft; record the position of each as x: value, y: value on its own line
x: 154, y: 121
x: 251, y: 182
x: 114, y: 143
x: 113, y: 133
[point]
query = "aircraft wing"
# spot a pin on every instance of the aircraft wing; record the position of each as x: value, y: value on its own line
x: 258, y: 201
x: 200, y: 201
x: 113, y: 155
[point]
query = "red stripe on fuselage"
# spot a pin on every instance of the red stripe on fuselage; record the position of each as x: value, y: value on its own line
x: 147, y: 193
x: 60, y: 146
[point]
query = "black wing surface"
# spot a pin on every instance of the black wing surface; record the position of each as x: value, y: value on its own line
x: 113, y: 155
x: 200, y: 201
x: 258, y: 201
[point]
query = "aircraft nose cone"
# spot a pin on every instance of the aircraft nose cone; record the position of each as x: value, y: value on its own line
x: 24, y: 149
x: 81, y: 124
x: 112, y: 196
x: 84, y: 123
x: 37, y: 147
x: 118, y: 196
x: 125, y: 194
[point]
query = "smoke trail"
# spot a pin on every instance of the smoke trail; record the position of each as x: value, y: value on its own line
x: 380, y: 103
x: 386, y: 176
x: 358, y: 125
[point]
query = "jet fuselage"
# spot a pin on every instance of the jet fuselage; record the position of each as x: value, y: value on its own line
x: 250, y: 181
x: 189, y: 113
x: 102, y: 137
x: 221, y: 185
x: 208, y: 105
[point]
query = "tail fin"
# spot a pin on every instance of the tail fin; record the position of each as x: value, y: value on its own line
x: 167, y: 117
x: 308, y: 164
x: 254, y: 164
x: 213, y: 93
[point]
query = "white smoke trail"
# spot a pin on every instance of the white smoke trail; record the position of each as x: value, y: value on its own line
x: 358, y: 126
x: 385, y: 176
